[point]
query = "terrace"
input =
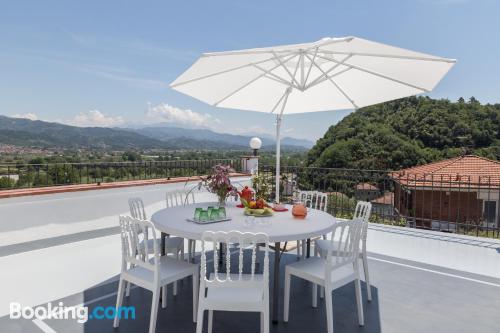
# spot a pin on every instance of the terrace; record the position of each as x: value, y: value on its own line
x: 65, y: 246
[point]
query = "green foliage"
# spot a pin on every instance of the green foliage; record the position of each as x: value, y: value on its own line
x: 408, y: 132
x: 262, y: 186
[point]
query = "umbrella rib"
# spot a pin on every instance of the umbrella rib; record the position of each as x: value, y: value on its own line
x: 273, y: 76
x: 279, y: 101
x: 228, y: 70
x: 380, y: 55
x: 250, y: 82
x: 378, y: 74
x: 310, y: 67
x: 336, y: 85
x: 286, y: 69
x: 302, y: 70
x: 324, y: 78
x: 325, y: 74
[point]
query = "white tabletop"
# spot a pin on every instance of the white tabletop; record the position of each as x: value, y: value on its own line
x: 283, y: 226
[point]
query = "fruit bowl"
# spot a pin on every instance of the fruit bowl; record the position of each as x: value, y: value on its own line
x: 259, y: 212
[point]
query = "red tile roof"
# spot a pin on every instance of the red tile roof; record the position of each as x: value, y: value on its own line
x: 463, y: 171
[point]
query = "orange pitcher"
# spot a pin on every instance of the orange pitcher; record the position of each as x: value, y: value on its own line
x: 299, y: 210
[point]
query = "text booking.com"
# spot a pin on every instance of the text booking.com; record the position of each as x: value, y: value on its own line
x: 79, y: 313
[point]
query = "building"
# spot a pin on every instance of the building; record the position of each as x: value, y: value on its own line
x: 448, y: 194
x: 366, y: 192
x: 384, y: 205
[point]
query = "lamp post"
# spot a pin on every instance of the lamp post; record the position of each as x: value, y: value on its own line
x: 250, y: 164
x: 255, y: 144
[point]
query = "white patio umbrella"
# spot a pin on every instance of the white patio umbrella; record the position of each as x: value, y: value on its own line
x: 330, y: 74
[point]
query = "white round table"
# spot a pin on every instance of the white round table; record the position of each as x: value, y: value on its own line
x: 283, y: 227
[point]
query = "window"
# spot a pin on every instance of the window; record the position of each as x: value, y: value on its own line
x: 490, y: 211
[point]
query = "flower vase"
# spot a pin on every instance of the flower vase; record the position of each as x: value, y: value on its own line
x: 222, y: 201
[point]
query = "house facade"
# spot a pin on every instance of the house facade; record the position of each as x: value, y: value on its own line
x: 448, y: 194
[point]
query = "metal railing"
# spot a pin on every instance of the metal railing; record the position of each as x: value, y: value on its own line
x: 448, y: 203
x: 23, y: 175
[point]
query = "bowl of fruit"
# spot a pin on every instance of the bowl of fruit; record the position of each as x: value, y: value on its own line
x: 258, y: 208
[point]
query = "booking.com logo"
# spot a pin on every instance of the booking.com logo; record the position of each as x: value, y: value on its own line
x: 79, y: 313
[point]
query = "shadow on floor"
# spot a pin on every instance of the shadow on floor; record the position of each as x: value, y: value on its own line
x: 177, y: 317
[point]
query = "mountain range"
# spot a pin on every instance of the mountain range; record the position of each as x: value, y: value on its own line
x: 42, y: 134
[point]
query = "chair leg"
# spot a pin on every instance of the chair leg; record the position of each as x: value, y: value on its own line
x: 199, y: 320
x: 119, y: 301
x: 210, y: 320
x: 329, y: 309
x: 367, y: 278
x: 314, y: 295
x: 304, y: 250
x: 286, y: 302
x: 359, y: 302
x: 127, y: 293
x: 154, y: 311
x: 189, y: 250
x: 298, y: 249
x: 322, y: 292
x: 164, y: 296
x: 196, y: 279
x: 266, y: 317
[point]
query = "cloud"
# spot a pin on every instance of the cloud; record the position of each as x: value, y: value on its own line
x: 171, y: 114
x: 95, y: 118
x: 30, y: 116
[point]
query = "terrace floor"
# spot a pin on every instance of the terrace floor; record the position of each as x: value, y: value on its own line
x: 422, y: 281
x: 407, y: 297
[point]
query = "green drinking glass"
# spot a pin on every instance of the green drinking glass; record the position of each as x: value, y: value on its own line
x: 222, y: 213
x: 203, y: 215
x: 197, y: 212
x: 214, y: 214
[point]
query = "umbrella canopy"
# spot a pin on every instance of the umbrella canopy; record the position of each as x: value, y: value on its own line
x: 330, y: 74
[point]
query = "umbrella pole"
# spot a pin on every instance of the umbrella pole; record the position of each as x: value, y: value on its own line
x: 278, y: 144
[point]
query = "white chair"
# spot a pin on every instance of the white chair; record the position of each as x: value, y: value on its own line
x: 173, y: 245
x: 149, y: 273
x: 226, y: 291
x: 331, y: 272
x: 314, y: 200
x: 180, y: 198
x: 362, y: 212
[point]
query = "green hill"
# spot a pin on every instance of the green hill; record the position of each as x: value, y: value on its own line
x: 409, y: 132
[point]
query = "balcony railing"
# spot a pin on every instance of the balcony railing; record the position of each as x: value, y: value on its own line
x: 23, y: 175
x: 449, y: 203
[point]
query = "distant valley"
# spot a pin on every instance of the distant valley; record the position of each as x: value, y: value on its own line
x: 42, y: 134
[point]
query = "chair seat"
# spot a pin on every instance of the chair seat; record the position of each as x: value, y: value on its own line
x: 235, y: 297
x: 313, y: 269
x: 325, y: 245
x: 170, y: 270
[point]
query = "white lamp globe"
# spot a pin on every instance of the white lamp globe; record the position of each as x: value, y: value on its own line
x: 255, y: 143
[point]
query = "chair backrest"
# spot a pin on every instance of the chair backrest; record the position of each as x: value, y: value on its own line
x: 135, y: 234
x: 179, y: 198
x: 346, y: 236
x: 362, y: 212
x: 211, y: 241
x: 137, y: 208
x: 314, y: 199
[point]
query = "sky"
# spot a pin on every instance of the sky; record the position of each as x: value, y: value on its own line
x: 109, y: 63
